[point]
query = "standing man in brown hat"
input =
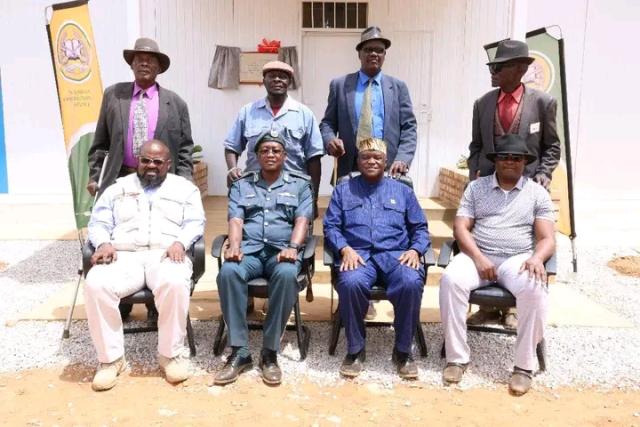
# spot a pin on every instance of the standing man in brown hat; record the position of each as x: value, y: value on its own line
x: 368, y: 104
x: 513, y: 108
x: 135, y: 112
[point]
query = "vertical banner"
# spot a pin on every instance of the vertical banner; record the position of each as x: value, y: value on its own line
x: 547, y: 74
x: 75, y: 63
x: 4, y: 184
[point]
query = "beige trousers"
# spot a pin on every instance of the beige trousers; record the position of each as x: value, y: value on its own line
x: 106, y: 284
x: 461, y: 277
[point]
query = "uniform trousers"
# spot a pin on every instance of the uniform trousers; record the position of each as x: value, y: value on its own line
x: 106, y: 284
x: 404, y: 286
x: 234, y: 293
x: 461, y: 277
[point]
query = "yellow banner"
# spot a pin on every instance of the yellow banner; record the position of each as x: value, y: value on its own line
x: 75, y: 62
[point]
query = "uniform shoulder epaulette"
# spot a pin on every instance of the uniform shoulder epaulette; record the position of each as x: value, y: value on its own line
x: 247, y: 174
x: 300, y: 175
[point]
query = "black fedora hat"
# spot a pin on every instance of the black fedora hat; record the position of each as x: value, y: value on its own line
x: 373, y: 33
x: 509, y: 50
x: 510, y: 143
x: 146, y: 45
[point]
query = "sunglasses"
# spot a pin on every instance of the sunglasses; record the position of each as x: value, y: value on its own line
x: 378, y: 50
x: 496, y: 68
x: 510, y: 157
x: 156, y: 162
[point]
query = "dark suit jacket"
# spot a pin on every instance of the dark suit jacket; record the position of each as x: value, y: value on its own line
x: 399, y: 121
x: 173, y: 128
x: 538, y: 111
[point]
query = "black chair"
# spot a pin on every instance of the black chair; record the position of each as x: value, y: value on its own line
x: 258, y: 288
x: 495, y: 295
x: 145, y: 296
x: 378, y: 291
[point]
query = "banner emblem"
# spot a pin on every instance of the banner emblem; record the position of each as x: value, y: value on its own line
x: 73, y: 52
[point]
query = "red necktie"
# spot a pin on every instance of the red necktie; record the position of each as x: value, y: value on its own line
x: 506, y: 112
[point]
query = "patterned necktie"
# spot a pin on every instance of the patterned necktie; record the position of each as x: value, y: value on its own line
x: 366, y: 115
x: 139, y: 125
x: 506, y: 112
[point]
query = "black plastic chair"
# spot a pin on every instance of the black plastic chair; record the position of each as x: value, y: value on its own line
x: 378, y: 291
x: 495, y: 295
x: 145, y: 295
x: 258, y: 288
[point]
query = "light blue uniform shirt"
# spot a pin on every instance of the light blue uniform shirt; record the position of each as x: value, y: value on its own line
x: 295, y: 123
x: 377, y: 102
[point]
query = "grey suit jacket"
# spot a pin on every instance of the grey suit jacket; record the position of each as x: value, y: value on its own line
x: 173, y: 128
x: 537, y: 127
x: 399, y: 120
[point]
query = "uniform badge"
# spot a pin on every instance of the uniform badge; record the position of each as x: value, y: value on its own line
x: 393, y: 201
x: 274, y: 133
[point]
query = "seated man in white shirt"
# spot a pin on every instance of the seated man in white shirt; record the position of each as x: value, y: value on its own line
x: 141, y: 227
x: 505, y: 230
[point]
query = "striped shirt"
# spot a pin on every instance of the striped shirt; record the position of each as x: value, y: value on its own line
x: 503, y: 220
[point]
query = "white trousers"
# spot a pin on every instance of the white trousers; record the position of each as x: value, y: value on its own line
x: 461, y: 277
x: 106, y: 284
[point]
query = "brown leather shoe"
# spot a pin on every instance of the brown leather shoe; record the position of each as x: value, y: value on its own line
x: 484, y: 315
x: 520, y: 382
x: 232, y: 369
x: 406, y: 366
x: 452, y: 373
x: 271, y: 373
x: 510, y: 319
x: 353, y: 364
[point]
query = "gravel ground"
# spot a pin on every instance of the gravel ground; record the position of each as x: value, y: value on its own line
x: 577, y: 357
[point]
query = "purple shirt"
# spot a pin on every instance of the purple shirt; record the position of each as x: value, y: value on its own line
x: 152, y: 104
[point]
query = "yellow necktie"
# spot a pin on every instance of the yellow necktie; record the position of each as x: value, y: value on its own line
x: 364, y: 125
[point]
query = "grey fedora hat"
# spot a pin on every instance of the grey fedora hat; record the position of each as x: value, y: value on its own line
x: 509, y: 50
x: 510, y: 143
x: 146, y: 45
x: 373, y: 33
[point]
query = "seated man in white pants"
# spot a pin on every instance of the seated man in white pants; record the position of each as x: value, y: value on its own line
x: 505, y: 230
x: 141, y: 227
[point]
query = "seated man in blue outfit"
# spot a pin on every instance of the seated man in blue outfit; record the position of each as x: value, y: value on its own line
x: 269, y: 214
x: 377, y: 230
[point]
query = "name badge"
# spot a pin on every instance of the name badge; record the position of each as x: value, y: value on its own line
x: 534, y: 127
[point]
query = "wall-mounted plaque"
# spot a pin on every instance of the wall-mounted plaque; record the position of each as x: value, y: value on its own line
x: 251, y: 64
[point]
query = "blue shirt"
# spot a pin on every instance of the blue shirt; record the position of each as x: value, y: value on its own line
x: 269, y: 211
x: 379, y: 221
x: 295, y: 123
x: 377, y: 102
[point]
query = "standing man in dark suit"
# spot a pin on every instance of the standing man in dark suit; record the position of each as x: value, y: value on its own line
x: 135, y: 112
x: 387, y: 115
x: 513, y: 108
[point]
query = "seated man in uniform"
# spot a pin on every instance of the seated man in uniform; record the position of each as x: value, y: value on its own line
x: 505, y: 230
x: 269, y: 214
x: 141, y: 227
x: 377, y: 230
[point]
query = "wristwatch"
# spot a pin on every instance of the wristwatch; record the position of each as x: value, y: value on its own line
x: 295, y: 246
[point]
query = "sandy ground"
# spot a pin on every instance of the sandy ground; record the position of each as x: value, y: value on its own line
x: 627, y: 265
x: 63, y: 396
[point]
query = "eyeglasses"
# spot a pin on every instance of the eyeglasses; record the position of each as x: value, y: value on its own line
x: 265, y: 151
x: 378, y: 50
x: 510, y: 157
x: 496, y: 68
x: 156, y: 162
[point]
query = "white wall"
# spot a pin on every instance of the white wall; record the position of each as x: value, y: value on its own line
x: 36, y: 158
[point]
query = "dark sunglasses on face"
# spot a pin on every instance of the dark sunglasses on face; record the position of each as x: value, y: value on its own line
x: 511, y: 157
x: 156, y: 162
x: 378, y: 50
x: 496, y: 68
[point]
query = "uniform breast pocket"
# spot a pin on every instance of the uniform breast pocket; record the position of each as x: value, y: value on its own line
x: 125, y: 208
x: 295, y: 136
x: 287, y: 204
x: 251, y: 135
x: 251, y: 206
x: 172, y: 209
x: 393, y: 215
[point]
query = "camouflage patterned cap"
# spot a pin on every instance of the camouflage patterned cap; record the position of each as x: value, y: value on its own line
x: 372, y: 144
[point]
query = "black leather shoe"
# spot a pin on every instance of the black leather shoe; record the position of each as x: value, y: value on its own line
x: 353, y: 364
x: 232, y: 369
x: 405, y: 364
x: 271, y: 373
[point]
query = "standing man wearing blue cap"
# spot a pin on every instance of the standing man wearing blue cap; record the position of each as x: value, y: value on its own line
x: 269, y: 214
x: 278, y: 115
x: 369, y: 104
x: 513, y: 108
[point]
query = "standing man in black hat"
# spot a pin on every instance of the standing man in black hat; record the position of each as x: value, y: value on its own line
x: 368, y: 104
x: 135, y: 112
x: 513, y: 108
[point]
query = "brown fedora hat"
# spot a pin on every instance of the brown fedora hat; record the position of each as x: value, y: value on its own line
x: 146, y: 45
x: 373, y: 33
x: 509, y: 50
